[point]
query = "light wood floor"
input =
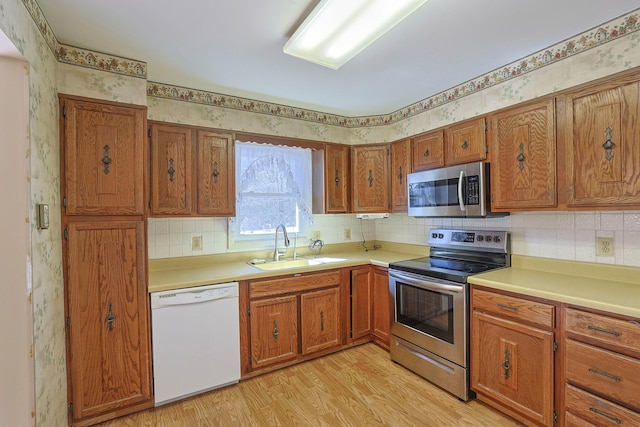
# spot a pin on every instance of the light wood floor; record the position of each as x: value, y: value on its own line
x: 355, y: 387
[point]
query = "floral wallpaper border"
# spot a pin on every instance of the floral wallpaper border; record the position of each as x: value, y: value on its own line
x: 83, y: 57
x: 612, y: 30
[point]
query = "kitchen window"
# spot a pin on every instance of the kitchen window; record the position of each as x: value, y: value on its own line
x: 273, y: 185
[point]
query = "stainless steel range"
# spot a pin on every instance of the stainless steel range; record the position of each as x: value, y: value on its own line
x: 430, y: 322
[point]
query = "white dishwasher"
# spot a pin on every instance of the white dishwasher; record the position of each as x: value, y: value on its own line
x: 196, y: 340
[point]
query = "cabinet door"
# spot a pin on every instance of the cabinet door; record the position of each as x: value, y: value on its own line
x: 103, y: 158
x: 170, y: 170
x: 512, y: 364
x: 274, y: 330
x: 523, y: 150
x: 320, y: 320
x: 216, y: 179
x: 603, y: 147
x: 381, y: 306
x: 370, y: 178
x: 337, y: 178
x: 428, y: 151
x: 361, y: 303
x: 400, y: 167
x: 465, y: 142
x: 108, y: 330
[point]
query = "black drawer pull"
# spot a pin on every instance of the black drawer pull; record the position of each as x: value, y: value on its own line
x: 604, y: 331
x: 604, y: 374
x: 507, y: 307
x: 603, y: 414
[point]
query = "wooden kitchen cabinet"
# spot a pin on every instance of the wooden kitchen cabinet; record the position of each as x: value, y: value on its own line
x: 192, y: 171
x: 381, y: 302
x: 370, y: 178
x: 602, y: 145
x: 428, y: 151
x: 274, y: 330
x: 293, y: 318
x: 320, y: 319
x: 109, y: 344
x: 103, y: 157
x: 400, y: 167
x: 602, y: 361
x: 465, y: 142
x: 512, y: 355
x: 337, y: 178
x: 361, y: 304
x: 523, y: 151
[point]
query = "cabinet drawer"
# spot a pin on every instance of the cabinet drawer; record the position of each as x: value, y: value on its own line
x: 571, y: 420
x: 592, y: 409
x: 604, y: 372
x: 514, y: 308
x: 604, y: 329
x: 289, y: 284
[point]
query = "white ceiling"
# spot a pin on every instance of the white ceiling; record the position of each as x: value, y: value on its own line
x: 234, y: 47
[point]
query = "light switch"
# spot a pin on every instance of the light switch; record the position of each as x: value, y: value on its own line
x: 42, y: 216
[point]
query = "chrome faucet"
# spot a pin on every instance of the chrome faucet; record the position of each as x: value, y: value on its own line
x: 277, y: 253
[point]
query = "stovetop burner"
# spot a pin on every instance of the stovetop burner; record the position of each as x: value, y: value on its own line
x: 457, y: 254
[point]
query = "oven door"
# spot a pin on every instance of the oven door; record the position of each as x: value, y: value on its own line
x: 430, y: 313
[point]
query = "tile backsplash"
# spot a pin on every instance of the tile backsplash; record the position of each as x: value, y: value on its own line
x: 560, y: 235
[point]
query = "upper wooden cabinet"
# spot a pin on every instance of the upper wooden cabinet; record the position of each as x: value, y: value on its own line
x: 523, y: 158
x: 336, y: 174
x: 103, y: 157
x: 215, y: 173
x: 370, y: 178
x: 171, y: 170
x: 428, y: 151
x: 192, y: 171
x: 400, y: 167
x: 602, y: 144
x: 465, y: 142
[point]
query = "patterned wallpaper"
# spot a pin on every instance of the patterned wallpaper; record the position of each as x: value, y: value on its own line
x: 54, y: 67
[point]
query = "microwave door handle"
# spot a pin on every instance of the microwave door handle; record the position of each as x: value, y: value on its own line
x: 460, y: 198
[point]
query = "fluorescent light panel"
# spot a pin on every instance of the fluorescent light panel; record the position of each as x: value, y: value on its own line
x: 337, y: 30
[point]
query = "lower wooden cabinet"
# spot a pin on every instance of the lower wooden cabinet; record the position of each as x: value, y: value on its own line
x: 602, y: 362
x: 274, y: 330
x: 381, y: 306
x: 291, y: 318
x: 108, y: 340
x: 361, y: 307
x: 512, y: 355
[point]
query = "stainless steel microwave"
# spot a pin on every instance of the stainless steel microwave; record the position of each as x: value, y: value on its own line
x: 454, y: 191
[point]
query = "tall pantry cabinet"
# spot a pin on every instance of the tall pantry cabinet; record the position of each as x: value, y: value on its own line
x: 103, y: 158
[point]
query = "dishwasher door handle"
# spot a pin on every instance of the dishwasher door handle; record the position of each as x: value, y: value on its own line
x: 193, y: 296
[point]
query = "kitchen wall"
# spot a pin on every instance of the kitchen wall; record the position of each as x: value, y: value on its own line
x: 55, y: 68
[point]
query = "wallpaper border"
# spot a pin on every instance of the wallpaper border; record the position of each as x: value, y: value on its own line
x: 595, y: 37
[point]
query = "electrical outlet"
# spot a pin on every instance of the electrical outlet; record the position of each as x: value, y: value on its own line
x: 196, y: 243
x: 604, y: 246
x: 315, y: 235
x: 347, y: 234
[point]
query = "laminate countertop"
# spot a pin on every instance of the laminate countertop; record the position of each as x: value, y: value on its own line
x: 611, y: 288
x: 178, y: 273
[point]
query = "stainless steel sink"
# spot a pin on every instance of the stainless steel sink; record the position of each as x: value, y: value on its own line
x: 294, y: 263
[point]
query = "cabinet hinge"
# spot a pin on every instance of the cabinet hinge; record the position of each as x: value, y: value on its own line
x: 555, y: 346
x: 486, y: 148
x: 149, y: 132
x: 71, y: 409
x: 149, y: 204
x: 250, y: 359
x: 555, y: 416
x: 64, y: 111
x: 66, y: 233
x: 68, y: 322
x: 64, y: 201
x: 486, y: 126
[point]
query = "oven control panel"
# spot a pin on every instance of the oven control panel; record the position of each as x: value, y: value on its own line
x: 485, y: 240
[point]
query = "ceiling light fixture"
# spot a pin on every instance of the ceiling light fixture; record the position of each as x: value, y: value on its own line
x: 337, y: 30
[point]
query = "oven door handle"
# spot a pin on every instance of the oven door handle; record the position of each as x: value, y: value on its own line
x: 425, y: 283
x: 460, y: 187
